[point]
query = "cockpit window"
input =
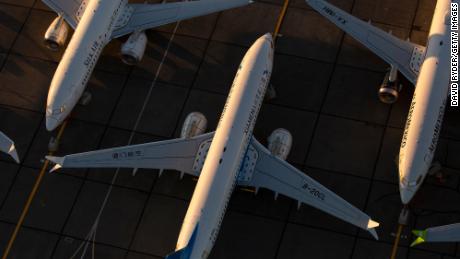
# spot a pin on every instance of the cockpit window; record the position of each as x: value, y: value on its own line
x: 56, y: 111
x: 419, y: 180
x: 405, y: 182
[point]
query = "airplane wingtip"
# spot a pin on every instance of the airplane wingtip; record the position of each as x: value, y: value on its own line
x: 421, y: 235
x: 371, y: 225
x: 14, y: 154
x: 374, y: 233
x: 59, y: 161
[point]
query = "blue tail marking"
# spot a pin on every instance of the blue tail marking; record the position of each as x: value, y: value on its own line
x: 185, y: 252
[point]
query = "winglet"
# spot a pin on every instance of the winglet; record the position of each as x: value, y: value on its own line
x: 13, y: 153
x: 371, y: 225
x: 59, y: 161
x: 421, y: 236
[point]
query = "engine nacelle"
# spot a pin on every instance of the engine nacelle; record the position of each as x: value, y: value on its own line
x: 56, y: 35
x: 133, y: 49
x: 195, y: 124
x: 279, y: 143
x: 389, y: 90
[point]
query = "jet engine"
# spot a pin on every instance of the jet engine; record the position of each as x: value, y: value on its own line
x: 56, y: 35
x: 133, y: 49
x: 279, y: 143
x: 390, y: 88
x: 195, y: 124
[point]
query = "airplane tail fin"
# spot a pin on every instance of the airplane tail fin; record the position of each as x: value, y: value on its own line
x: 185, y: 252
x: 421, y: 236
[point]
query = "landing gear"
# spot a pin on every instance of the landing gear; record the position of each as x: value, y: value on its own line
x: 404, y: 216
x: 53, y: 145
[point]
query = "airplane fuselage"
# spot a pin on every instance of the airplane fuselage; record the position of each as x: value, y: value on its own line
x: 73, y: 72
x: 426, y: 111
x: 227, y: 149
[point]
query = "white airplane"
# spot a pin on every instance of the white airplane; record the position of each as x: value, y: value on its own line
x: 426, y: 67
x: 96, y: 22
x: 447, y: 233
x: 227, y: 157
x: 7, y: 146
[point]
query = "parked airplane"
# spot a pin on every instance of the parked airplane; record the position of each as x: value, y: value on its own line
x: 227, y: 157
x: 426, y: 67
x: 447, y: 233
x: 96, y: 22
x: 7, y: 146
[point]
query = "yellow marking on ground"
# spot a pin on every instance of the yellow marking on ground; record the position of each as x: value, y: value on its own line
x: 280, y: 19
x: 248, y: 190
x: 396, y: 243
x: 31, y: 196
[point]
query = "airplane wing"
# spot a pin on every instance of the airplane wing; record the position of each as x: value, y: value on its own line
x: 263, y: 170
x: 447, y: 233
x: 184, y: 155
x: 406, y: 56
x: 71, y: 10
x: 7, y: 146
x: 146, y: 16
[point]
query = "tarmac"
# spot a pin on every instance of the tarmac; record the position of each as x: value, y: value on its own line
x: 326, y: 86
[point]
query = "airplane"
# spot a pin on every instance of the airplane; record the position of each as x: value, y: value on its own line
x: 446, y: 233
x: 426, y: 67
x: 96, y: 22
x: 224, y: 158
x: 7, y: 146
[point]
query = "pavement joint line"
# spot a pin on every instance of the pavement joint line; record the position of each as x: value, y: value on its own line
x: 14, y: 53
x: 394, y: 251
x: 92, y: 233
x: 21, y: 28
x: 20, y: 166
x: 374, y: 168
x: 276, y: 31
x: 31, y: 196
x: 85, y: 176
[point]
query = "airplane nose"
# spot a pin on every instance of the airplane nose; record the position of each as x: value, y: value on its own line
x: 268, y: 36
x: 52, y: 122
x: 406, y: 195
